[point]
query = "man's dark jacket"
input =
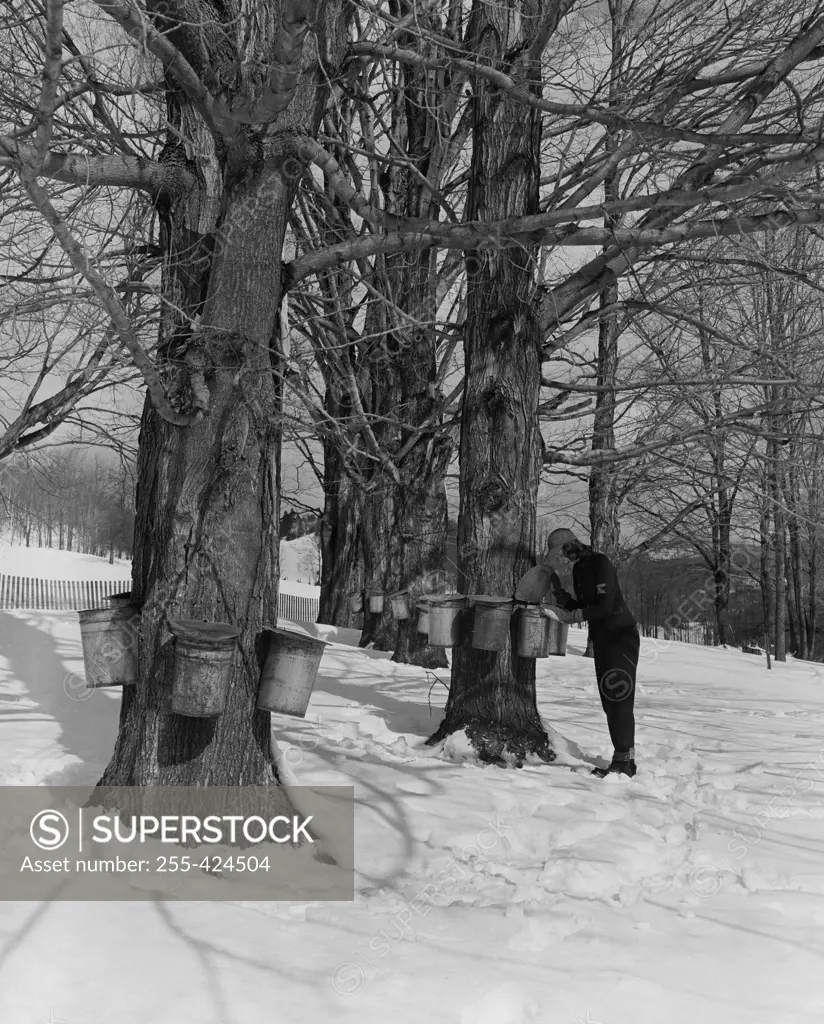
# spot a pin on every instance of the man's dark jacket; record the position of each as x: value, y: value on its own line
x: 598, y: 595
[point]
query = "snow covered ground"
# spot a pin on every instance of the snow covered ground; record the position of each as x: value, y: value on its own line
x: 52, y: 564
x: 694, y: 892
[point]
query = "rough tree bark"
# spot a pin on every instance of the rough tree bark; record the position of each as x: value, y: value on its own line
x: 813, y: 512
x: 206, y: 534
x: 722, y: 495
x: 779, y: 545
x: 492, y: 695
x: 766, y: 559
x: 340, y: 533
x: 792, y: 502
x: 775, y: 468
x: 721, y: 569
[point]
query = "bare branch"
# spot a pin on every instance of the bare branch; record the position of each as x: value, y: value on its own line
x: 51, y: 76
x: 585, y: 112
x: 531, y: 231
x: 610, y: 456
x: 112, y: 304
x: 598, y: 273
x: 117, y: 170
x: 338, y: 182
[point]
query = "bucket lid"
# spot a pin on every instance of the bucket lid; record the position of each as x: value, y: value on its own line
x: 294, y: 634
x: 446, y: 598
x: 488, y: 599
x: 398, y: 595
x: 110, y: 614
x: 204, y: 632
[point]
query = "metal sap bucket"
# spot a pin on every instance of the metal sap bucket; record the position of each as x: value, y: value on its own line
x: 356, y: 602
x: 121, y: 599
x: 375, y: 602
x: 399, y: 604
x: 109, y: 637
x: 445, y: 619
x: 539, y: 637
x: 204, y: 652
x: 290, y: 668
x: 491, y: 626
x: 423, y: 617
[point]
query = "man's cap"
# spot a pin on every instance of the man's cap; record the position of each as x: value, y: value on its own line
x: 557, y: 539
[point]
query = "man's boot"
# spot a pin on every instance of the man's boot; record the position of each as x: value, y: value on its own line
x: 623, y: 763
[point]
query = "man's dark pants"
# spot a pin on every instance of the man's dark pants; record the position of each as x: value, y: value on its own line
x: 616, y: 661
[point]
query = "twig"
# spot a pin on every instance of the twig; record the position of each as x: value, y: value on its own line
x: 437, y: 679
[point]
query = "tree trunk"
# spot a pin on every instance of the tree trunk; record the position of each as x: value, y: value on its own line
x: 206, y: 533
x: 796, y: 554
x: 492, y: 694
x: 721, y: 572
x: 381, y: 562
x: 812, y: 557
x: 603, y: 506
x: 207, y: 515
x: 766, y: 560
x: 340, y: 533
x: 422, y: 528
x: 402, y: 509
x: 780, y: 549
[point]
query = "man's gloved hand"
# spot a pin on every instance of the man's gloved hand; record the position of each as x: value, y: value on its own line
x: 560, y: 598
x: 557, y: 588
x: 561, y: 614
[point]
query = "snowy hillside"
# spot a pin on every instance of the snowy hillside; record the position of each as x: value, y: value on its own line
x: 299, y: 561
x: 694, y: 892
x: 52, y: 564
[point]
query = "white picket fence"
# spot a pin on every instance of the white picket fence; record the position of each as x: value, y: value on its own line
x: 57, y: 595
x: 294, y: 606
x: 26, y: 592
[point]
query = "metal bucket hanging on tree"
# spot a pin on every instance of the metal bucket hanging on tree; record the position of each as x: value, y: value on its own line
x: 540, y: 637
x: 109, y: 637
x: 204, y: 652
x: 445, y: 619
x: 491, y: 623
x: 356, y: 602
x: 376, y: 601
x: 400, y: 604
x: 290, y: 668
